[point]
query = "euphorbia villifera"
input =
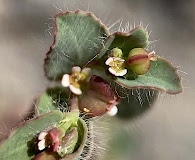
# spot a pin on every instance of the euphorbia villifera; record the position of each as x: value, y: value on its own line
x: 95, y: 73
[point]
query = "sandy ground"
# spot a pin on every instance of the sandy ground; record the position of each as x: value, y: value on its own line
x: 168, y: 130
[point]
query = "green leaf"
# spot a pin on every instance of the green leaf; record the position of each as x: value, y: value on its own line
x: 19, y: 145
x: 136, y: 38
x: 161, y: 76
x: 45, y: 104
x: 77, y: 40
x: 135, y: 103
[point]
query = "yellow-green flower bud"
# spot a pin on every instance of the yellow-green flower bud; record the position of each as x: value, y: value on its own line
x: 116, y: 52
x: 138, y: 61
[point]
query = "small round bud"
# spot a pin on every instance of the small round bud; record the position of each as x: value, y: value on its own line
x: 138, y: 61
x: 116, y: 52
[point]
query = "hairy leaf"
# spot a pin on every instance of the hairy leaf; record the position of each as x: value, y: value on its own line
x: 45, y: 104
x: 78, y: 38
x: 161, y: 76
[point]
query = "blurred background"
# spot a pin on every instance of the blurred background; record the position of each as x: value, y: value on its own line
x: 167, y: 131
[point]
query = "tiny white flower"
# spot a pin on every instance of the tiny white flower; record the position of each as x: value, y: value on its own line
x: 113, y: 111
x: 116, y: 66
x: 74, y: 80
x: 41, y: 144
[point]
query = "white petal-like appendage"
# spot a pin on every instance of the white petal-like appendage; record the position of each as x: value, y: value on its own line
x: 76, y: 69
x: 112, y: 71
x: 66, y: 80
x: 121, y: 73
x: 75, y: 90
x: 110, y: 59
x: 41, y: 145
x: 42, y: 135
x: 118, y: 59
x: 113, y: 111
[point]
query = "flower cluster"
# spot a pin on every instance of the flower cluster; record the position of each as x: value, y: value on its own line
x: 116, y: 66
x: 50, y: 139
x: 138, y: 61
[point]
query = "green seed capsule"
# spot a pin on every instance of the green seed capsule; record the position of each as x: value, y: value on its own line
x: 138, y: 61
